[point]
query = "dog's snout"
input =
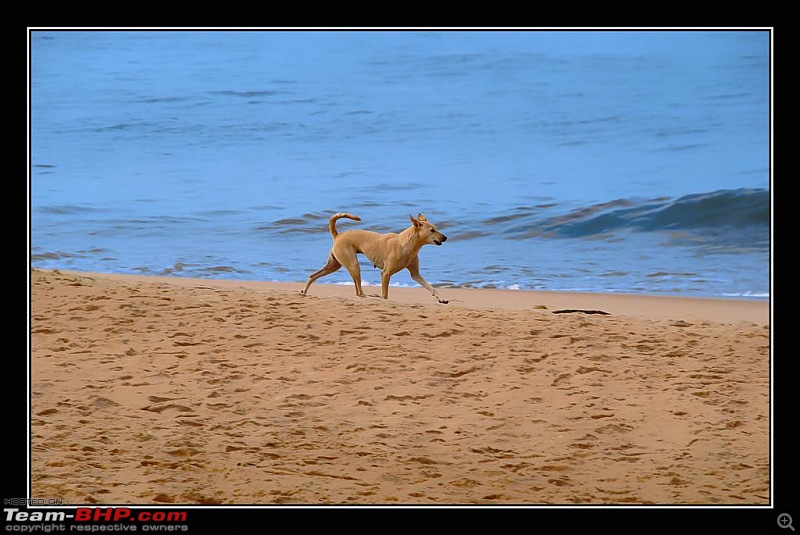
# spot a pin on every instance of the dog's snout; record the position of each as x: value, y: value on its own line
x: 444, y: 238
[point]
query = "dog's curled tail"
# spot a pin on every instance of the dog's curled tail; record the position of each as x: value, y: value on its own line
x: 336, y: 217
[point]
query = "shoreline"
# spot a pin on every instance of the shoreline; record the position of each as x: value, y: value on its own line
x: 650, y: 306
x: 165, y: 390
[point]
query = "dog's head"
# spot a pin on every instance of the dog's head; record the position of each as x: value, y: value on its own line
x: 427, y: 230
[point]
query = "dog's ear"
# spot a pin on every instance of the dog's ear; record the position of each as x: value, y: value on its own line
x: 421, y: 217
x: 414, y: 222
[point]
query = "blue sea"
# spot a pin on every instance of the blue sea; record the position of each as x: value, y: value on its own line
x: 624, y: 161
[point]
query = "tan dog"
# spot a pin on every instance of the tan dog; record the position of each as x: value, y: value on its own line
x: 389, y: 252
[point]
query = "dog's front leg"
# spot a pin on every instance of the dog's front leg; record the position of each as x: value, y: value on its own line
x: 385, y: 276
x: 415, y: 274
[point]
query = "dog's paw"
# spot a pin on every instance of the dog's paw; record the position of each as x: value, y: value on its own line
x: 443, y: 301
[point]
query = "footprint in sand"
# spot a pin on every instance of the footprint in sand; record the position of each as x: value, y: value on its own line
x: 168, y: 407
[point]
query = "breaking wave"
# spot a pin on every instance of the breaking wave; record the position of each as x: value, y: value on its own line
x: 739, y: 217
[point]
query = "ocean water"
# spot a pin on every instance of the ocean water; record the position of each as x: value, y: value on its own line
x: 608, y: 161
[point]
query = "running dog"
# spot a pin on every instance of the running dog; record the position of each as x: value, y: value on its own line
x: 388, y: 252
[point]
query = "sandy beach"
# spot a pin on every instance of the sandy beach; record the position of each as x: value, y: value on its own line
x: 159, y: 390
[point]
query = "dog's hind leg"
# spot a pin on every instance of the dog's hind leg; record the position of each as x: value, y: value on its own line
x: 331, y: 266
x: 351, y: 264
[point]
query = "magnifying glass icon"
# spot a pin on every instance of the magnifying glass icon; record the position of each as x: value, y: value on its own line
x: 785, y: 521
